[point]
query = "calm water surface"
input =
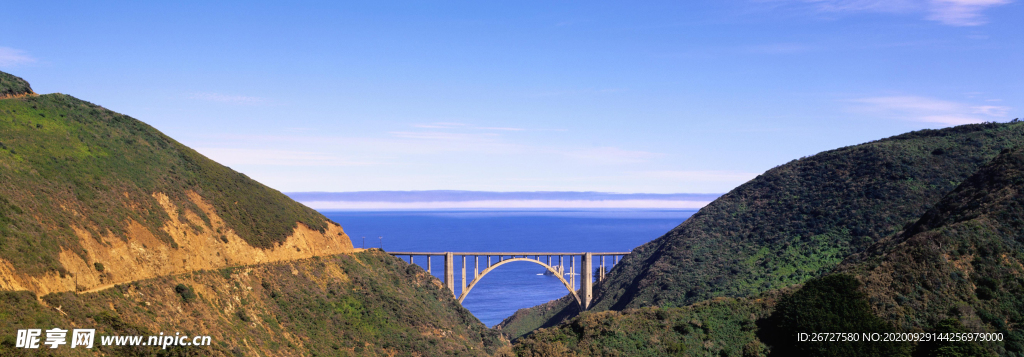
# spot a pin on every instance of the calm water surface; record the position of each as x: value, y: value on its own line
x: 515, y: 285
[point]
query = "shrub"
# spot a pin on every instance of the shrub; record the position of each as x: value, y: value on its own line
x: 187, y: 295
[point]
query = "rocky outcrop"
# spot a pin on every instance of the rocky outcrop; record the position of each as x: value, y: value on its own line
x: 111, y: 260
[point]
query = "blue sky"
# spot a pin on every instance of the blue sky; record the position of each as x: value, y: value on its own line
x: 629, y: 97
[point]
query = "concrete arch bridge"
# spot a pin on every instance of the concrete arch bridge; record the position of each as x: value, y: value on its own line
x: 553, y: 262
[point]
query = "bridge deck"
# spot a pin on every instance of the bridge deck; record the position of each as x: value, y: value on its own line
x: 509, y: 253
x: 586, y: 268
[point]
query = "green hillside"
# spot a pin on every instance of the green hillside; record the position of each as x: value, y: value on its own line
x: 721, y: 327
x: 65, y: 162
x: 13, y: 86
x: 794, y: 222
x: 146, y: 201
x: 957, y: 269
x: 362, y: 304
x: 961, y: 260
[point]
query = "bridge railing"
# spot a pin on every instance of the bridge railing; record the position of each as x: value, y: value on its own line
x: 555, y: 263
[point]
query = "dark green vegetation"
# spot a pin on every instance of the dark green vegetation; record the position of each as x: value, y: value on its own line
x: 13, y: 86
x: 951, y: 348
x: 68, y: 163
x: 766, y: 325
x: 828, y: 304
x: 722, y: 327
x: 187, y: 295
x: 364, y: 304
x: 957, y: 268
x: 794, y: 222
x: 961, y: 260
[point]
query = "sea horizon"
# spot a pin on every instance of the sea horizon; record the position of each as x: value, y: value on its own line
x: 489, y: 200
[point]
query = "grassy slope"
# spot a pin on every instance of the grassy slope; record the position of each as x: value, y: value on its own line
x: 794, y: 222
x: 721, y: 327
x: 11, y: 85
x: 365, y: 304
x: 64, y: 162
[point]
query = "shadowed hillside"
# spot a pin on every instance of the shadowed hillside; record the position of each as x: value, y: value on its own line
x: 792, y: 223
x: 961, y: 260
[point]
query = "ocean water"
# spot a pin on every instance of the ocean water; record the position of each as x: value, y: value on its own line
x: 515, y: 285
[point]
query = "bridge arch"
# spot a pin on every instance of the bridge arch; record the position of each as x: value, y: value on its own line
x: 506, y: 261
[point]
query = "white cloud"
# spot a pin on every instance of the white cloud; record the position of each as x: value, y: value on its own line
x: 865, y: 5
x: 733, y: 177
x: 929, y: 110
x: 444, y: 136
x: 462, y: 126
x: 10, y: 57
x: 501, y: 128
x: 961, y: 12
x: 235, y: 156
x: 440, y: 125
x: 991, y: 110
x: 610, y: 155
x: 947, y: 12
x: 779, y: 48
x: 227, y: 98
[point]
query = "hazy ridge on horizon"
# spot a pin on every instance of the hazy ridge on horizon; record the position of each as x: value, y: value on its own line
x: 456, y: 199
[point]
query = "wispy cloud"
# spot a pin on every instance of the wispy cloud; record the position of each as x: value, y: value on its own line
x: 227, y: 98
x: 458, y: 134
x: 891, y: 6
x: 578, y: 92
x: 947, y: 12
x: 779, y: 48
x: 10, y: 57
x: 991, y: 110
x: 502, y: 128
x: 236, y: 156
x: 462, y: 126
x: 445, y: 136
x: 961, y: 12
x: 700, y: 176
x: 610, y: 155
x: 929, y: 110
x: 440, y: 125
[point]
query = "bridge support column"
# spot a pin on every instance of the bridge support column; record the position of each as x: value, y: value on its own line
x: 449, y: 271
x: 463, y: 275
x: 588, y: 280
x: 572, y: 271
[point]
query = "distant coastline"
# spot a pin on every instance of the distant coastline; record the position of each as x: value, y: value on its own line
x: 445, y: 199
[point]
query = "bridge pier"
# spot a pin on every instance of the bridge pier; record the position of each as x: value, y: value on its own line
x: 583, y: 294
x: 449, y: 271
x: 572, y: 271
x: 588, y: 280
